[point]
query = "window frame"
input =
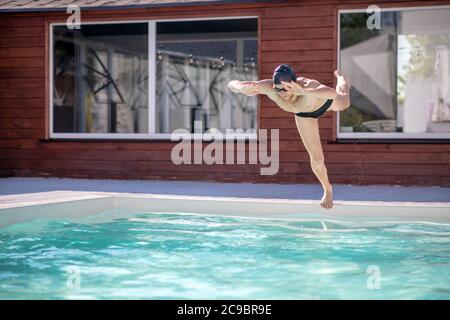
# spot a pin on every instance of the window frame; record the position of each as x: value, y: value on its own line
x: 382, y: 135
x: 151, y: 134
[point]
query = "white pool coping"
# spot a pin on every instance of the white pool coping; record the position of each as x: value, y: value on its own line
x: 76, y: 204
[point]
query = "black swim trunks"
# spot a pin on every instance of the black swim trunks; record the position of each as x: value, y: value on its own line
x: 317, y: 113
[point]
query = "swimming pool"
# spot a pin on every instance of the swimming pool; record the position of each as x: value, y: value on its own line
x: 141, y: 254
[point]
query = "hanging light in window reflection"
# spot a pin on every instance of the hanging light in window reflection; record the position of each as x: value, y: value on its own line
x: 191, y: 57
x: 160, y: 56
x: 222, y: 62
x: 252, y: 60
x: 246, y: 64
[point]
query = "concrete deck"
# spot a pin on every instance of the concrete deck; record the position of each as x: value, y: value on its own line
x: 16, y: 189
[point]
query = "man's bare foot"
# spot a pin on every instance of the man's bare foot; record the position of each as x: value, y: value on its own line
x: 338, y: 73
x: 343, y: 84
x: 327, y: 200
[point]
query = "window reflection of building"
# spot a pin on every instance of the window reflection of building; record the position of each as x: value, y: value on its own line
x: 195, y: 89
x: 101, y: 77
x: 105, y: 68
x: 195, y: 62
x: 398, y: 84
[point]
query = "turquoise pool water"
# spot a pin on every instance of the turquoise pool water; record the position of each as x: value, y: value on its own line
x: 165, y: 256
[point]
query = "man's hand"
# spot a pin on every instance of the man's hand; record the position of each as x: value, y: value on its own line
x: 294, y: 88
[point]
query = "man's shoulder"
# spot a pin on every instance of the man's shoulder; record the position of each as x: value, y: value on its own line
x: 307, y: 83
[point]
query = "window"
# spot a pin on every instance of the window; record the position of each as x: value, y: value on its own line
x: 147, y: 79
x: 195, y: 62
x: 399, y: 72
x: 100, y: 79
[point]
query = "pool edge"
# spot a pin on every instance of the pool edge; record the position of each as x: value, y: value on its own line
x: 46, y: 205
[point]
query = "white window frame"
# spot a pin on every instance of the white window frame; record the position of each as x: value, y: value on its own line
x: 151, y: 134
x: 382, y: 135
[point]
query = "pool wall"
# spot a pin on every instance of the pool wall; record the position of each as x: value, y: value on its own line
x: 84, y: 205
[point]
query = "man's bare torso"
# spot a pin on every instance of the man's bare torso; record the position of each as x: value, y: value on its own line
x: 300, y: 103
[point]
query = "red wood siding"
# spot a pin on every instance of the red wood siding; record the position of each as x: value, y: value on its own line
x: 301, y: 33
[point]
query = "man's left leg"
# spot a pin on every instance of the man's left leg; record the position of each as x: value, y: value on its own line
x: 342, y: 101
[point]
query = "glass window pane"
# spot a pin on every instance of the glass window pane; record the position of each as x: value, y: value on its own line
x: 100, y: 79
x: 399, y: 73
x: 368, y: 57
x: 195, y: 61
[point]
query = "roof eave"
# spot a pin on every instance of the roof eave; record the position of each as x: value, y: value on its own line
x: 136, y: 6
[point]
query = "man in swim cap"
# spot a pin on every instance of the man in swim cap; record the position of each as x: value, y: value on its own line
x: 308, y: 99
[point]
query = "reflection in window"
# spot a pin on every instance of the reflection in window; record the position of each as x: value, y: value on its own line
x: 100, y: 79
x: 194, y: 61
x: 399, y: 73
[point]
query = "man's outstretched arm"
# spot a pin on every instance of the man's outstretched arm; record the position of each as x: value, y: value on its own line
x: 250, y: 88
x: 311, y: 87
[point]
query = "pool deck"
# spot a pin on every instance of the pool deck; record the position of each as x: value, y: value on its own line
x: 14, y: 191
